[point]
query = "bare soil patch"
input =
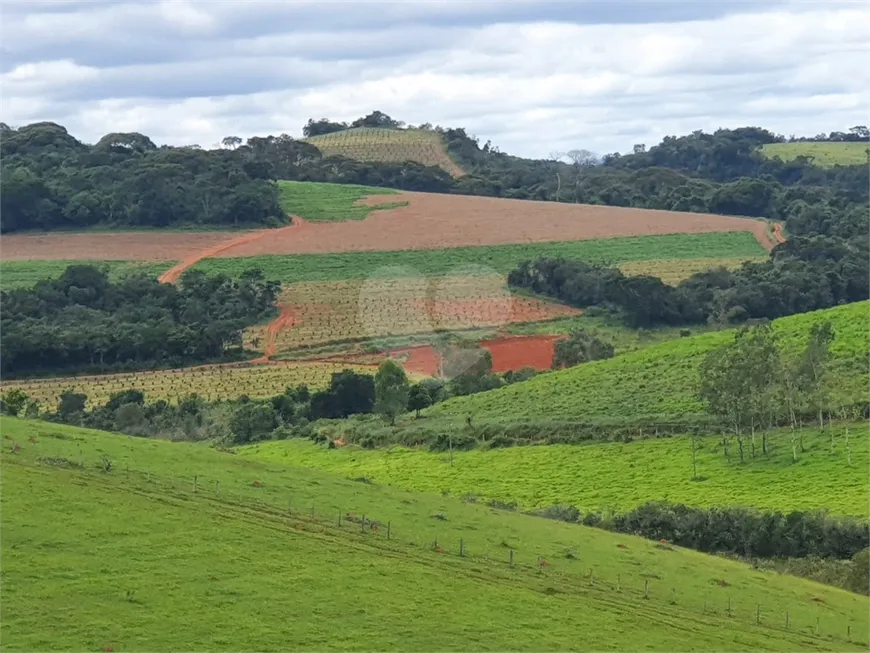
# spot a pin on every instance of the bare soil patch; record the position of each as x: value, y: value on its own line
x: 131, y: 246
x: 434, y: 221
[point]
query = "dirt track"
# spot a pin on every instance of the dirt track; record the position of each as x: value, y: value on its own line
x: 430, y: 221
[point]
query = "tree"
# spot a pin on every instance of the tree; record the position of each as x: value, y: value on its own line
x: 252, y: 421
x: 724, y: 388
x: 231, y: 142
x: 761, y: 362
x: 71, y: 405
x: 14, y: 401
x: 418, y: 398
x: 814, y: 367
x: 391, y: 390
x: 580, y: 347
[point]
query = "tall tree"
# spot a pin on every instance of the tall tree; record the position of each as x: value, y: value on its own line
x: 391, y: 390
x: 814, y: 368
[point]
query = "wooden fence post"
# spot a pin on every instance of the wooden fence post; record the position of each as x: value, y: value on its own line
x: 194, y: 482
x: 646, y: 588
x: 617, y: 583
x: 729, y: 606
x: 339, y: 518
x: 461, y: 547
x: 757, y: 614
x: 388, y: 530
x: 786, y: 619
x: 511, y: 558
x: 362, y: 524
x: 217, y: 488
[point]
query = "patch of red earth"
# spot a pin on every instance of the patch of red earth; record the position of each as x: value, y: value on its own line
x: 508, y: 354
x: 512, y: 354
x: 286, y: 319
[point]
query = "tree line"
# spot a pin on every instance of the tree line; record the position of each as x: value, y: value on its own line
x: 802, y: 275
x: 53, y: 181
x: 84, y: 321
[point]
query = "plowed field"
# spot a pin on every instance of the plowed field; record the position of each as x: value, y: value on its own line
x: 429, y: 221
x: 320, y: 312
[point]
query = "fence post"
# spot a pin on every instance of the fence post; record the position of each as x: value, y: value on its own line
x: 289, y: 505
x: 673, y: 596
x: 729, y: 606
x: 388, y: 530
x: 849, y: 633
x: 362, y: 524
x: 591, y: 576
x: 217, y: 488
x: 194, y: 482
x: 646, y: 588
x: 339, y: 518
x: 461, y: 547
x: 435, y: 546
x: 757, y: 613
x: 818, y: 625
x: 617, y: 583
x: 312, y: 511
x: 786, y: 619
x: 511, y: 558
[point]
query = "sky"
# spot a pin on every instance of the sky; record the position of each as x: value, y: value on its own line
x: 534, y: 78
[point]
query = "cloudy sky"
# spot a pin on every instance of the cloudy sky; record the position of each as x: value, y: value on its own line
x: 533, y: 77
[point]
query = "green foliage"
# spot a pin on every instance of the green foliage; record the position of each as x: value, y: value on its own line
x: 581, y: 346
x: 85, y: 320
x: 252, y: 421
x: 859, y: 579
x: 419, y: 398
x: 607, y: 477
x: 319, y: 202
x: 349, y: 393
x: 391, y: 390
x: 14, y: 401
x: 500, y: 258
x: 237, y: 536
x: 50, y: 180
x: 660, y: 381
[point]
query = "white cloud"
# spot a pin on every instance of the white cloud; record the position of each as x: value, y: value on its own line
x: 544, y: 79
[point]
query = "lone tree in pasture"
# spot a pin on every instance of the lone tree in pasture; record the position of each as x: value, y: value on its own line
x: 14, y: 401
x: 418, y: 399
x: 391, y: 390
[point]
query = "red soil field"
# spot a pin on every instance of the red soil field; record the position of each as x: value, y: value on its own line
x: 429, y: 221
x: 508, y: 354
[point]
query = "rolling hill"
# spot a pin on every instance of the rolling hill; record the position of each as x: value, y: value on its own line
x: 109, y: 540
x: 374, y: 144
x: 658, y: 382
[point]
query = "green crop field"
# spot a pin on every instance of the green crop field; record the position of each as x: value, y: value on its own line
x: 321, y: 202
x: 127, y: 544
x: 659, y: 381
x: 388, y: 146
x: 615, y: 476
x: 22, y: 274
x: 500, y: 258
x: 824, y: 154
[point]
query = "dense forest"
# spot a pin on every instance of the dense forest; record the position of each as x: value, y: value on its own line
x: 82, y: 320
x: 53, y: 181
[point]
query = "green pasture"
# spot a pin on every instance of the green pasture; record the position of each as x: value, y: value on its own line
x: 322, y: 202
x: 498, y: 258
x: 127, y: 544
x: 616, y: 476
x: 660, y: 381
x: 824, y: 154
x: 23, y: 274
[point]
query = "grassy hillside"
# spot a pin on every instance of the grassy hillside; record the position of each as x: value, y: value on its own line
x: 501, y: 258
x: 389, y: 146
x: 319, y: 202
x: 659, y: 382
x: 182, y: 547
x: 824, y: 154
x: 23, y: 274
x: 618, y: 476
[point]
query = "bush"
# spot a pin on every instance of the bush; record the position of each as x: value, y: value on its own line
x: 560, y: 513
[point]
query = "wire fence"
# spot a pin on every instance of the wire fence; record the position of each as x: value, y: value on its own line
x: 320, y: 516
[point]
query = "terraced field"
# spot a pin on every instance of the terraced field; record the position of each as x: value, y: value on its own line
x: 824, y: 154
x: 168, y: 526
x: 388, y: 146
x: 209, y: 381
x: 659, y: 382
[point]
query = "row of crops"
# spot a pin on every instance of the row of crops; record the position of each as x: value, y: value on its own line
x: 387, y: 145
x: 211, y: 382
x: 672, y: 271
x: 349, y: 310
